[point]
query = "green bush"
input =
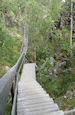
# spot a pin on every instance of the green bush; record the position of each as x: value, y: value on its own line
x: 8, y: 54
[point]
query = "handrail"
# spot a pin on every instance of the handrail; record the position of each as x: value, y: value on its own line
x: 6, y: 84
x: 6, y: 81
x: 14, y: 107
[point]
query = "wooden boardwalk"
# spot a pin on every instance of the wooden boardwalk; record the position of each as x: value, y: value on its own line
x: 32, y: 99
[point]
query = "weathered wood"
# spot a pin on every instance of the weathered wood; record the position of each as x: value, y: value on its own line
x: 70, y: 112
x: 14, y: 112
x: 32, y: 99
x: 14, y: 107
x: 6, y: 84
x: 24, y: 46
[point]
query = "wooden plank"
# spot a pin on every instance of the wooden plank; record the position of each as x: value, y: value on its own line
x: 70, y: 112
x: 32, y: 99
x: 36, y: 104
x: 39, y: 107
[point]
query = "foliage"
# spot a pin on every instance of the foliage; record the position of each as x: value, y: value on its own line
x: 55, y: 9
x: 61, y: 40
x: 58, y: 87
x: 70, y: 104
x: 8, y: 106
x: 7, y: 51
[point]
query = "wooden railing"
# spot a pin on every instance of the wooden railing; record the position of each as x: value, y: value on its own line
x: 14, y: 107
x: 6, y: 83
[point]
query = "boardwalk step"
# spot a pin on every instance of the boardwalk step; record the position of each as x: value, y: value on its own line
x: 32, y: 92
x: 33, y: 96
x: 31, y: 89
x: 40, y: 107
x: 35, y: 105
x: 37, y: 111
x: 32, y: 99
x: 40, y: 100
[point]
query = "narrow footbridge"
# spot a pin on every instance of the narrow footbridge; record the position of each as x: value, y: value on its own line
x: 29, y: 98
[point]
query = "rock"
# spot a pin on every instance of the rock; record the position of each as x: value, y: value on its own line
x: 59, y: 102
x: 18, y: 36
x: 54, y: 78
x: 61, y: 57
x: 50, y: 72
x: 59, y: 66
x: 55, y: 71
x: 65, y: 97
x: 52, y: 60
x: 71, y: 92
x: 62, y: 64
x: 59, y: 63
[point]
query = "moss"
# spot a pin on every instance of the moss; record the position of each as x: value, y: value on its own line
x: 8, y: 109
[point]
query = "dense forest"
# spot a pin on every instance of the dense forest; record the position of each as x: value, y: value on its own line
x: 49, y: 44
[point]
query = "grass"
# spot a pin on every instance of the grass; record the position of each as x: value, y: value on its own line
x: 8, y: 109
x: 70, y: 104
x: 9, y: 51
